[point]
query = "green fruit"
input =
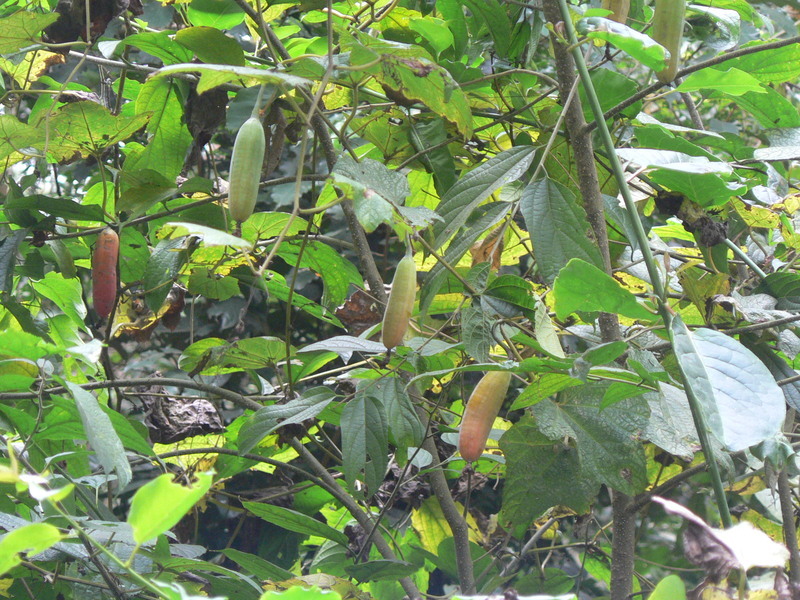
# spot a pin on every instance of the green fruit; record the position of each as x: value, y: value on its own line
x: 668, y: 31
x: 245, y: 175
x: 400, y: 304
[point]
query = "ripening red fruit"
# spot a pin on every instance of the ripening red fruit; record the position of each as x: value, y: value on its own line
x: 479, y: 415
x: 104, y: 272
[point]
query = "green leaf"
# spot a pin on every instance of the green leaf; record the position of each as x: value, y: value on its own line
x: 257, y: 566
x: 405, y: 428
x: 64, y: 293
x: 265, y: 225
x: 541, y: 473
x: 784, y: 144
x: 741, y: 403
x: 477, y: 332
x: 770, y: 109
x: 295, y: 521
x: 280, y: 290
x: 159, y: 44
x: 85, y: 128
x: 57, y: 207
x: 669, y: 588
x: 213, y: 75
x: 634, y: 43
x: 22, y: 28
x: 162, y: 269
x: 213, y: 356
x: 210, y: 236
x: 169, y: 138
x: 373, y: 187
x: 337, y: 273
x: 480, y: 221
x: 671, y: 426
x: 222, y: 14
x: 548, y: 384
x: 101, y: 435
x: 581, y: 287
x: 31, y: 539
x: 210, y: 45
x: 211, y: 285
x: 16, y: 136
x: 9, y: 245
x: 606, y: 438
x: 732, y: 82
x: 142, y: 187
x: 381, y: 570
x: 493, y: 14
x: 158, y: 505
x: 266, y: 420
x: 476, y: 186
x: 777, y: 65
x: 558, y: 227
x: 365, y: 444
x: 510, y: 296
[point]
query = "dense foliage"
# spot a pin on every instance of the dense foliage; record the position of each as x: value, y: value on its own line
x: 214, y: 412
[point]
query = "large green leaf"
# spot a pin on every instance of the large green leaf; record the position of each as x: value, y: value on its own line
x: 85, y: 128
x: 295, y: 521
x: 365, y: 443
x: 606, y: 438
x: 558, y: 227
x: 32, y: 539
x: 169, y: 136
x: 634, y: 43
x: 374, y: 188
x: 777, y: 65
x: 478, y: 223
x: 405, y: 428
x: 266, y: 420
x: 732, y: 82
x: 213, y: 75
x: 741, y: 403
x: 541, y: 473
x: 64, y: 293
x: 476, y: 186
x: 101, y: 435
x: 582, y: 287
x: 21, y: 29
x: 159, y: 504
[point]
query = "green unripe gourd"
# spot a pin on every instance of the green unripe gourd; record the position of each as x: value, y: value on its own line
x: 482, y: 408
x: 400, y: 304
x: 668, y: 31
x: 245, y: 175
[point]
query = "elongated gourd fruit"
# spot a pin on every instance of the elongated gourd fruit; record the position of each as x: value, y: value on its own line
x: 245, y: 175
x: 619, y: 9
x: 668, y: 31
x: 400, y: 304
x: 104, y: 272
x: 481, y: 411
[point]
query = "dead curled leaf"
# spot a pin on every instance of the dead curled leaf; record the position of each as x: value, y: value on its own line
x: 718, y: 551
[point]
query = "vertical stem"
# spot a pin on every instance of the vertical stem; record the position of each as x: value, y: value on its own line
x: 789, y: 528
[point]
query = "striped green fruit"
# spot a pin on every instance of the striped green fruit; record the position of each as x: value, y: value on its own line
x: 668, y: 31
x: 400, y: 304
x: 245, y: 175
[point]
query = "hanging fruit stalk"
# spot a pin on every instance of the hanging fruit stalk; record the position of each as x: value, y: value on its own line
x: 400, y: 304
x: 668, y: 31
x: 481, y: 411
x: 619, y: 9
x: 245, y: 175
x: 104, y: 272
